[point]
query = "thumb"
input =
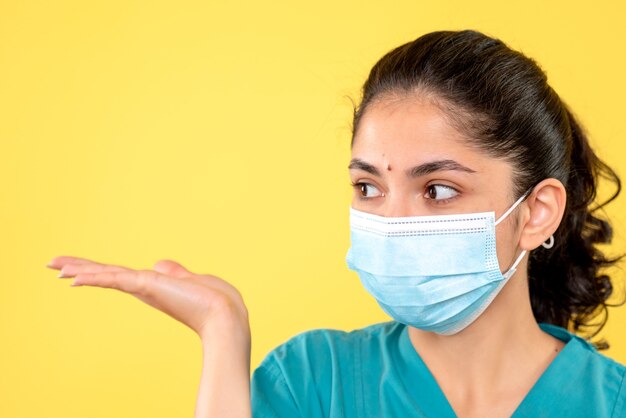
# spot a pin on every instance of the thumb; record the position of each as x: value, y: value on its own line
x: 171, y: 268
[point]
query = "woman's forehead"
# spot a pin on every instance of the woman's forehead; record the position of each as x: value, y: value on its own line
x: 397, y: 132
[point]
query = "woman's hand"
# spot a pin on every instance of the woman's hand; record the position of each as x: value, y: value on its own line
x: 200, y: 301
x: 210, y: 306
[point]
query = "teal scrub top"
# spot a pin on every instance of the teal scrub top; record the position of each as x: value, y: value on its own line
x: 376, y: 372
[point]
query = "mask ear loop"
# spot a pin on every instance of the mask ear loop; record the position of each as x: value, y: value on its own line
x: 511, y: 270
x: 505, y: 214
x: 514, y: 266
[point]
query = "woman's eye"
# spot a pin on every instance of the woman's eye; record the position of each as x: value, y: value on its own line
x: 440, y: 192
x: 364, y: 188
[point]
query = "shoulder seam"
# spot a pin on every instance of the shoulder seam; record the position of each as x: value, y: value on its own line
x: 608, y: 359
x: 312, y: 332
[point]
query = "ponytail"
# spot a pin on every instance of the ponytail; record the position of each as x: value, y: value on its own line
x: 567, y: 287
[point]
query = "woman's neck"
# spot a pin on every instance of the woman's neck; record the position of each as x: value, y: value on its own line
x: 497, y: 358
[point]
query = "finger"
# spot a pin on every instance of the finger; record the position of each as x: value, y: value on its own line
x: 136, y: 282
x: 172, y: 268
x: 60, y: 261
x: 70, y: 270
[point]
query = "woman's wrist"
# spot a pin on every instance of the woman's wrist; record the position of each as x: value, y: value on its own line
x: 225, y: 382
x: 226, y: 328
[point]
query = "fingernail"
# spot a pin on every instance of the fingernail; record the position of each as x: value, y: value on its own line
x: 61, y: 274
x: 75, y: 283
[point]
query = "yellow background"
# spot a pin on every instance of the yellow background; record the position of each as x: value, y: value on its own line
x: 217, y: 134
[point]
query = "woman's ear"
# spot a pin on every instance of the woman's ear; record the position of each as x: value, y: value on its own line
x: 546, y: 205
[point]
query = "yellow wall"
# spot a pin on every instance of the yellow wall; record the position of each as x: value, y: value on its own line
x: 217, y: 134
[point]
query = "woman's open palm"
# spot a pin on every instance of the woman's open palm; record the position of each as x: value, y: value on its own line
x: 196, y: 300
x: 210, y: 306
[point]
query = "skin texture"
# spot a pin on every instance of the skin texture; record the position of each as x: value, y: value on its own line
x: 486, y: 369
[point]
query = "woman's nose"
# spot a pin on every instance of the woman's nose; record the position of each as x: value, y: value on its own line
x: 400, y: 206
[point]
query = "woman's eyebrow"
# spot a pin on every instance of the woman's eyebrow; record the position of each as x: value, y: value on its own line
x: 417, y: 171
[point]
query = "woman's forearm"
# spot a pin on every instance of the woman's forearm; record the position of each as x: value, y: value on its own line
x: 225, y: 382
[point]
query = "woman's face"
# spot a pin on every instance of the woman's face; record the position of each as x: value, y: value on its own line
x: 407, y: 160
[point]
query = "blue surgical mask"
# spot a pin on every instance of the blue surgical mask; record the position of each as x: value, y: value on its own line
x: 435, y: 273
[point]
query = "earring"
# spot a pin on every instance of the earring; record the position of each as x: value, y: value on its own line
x: 550, y: 243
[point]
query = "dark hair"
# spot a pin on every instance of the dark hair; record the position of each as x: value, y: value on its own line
x: 501, y: 99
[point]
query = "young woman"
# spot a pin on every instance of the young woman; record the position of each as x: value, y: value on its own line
x: 470, y: 224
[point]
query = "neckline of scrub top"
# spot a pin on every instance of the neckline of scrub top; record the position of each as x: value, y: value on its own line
x: 415, y: 370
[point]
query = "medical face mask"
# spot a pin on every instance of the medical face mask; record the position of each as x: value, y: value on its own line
x: 435, y: 273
